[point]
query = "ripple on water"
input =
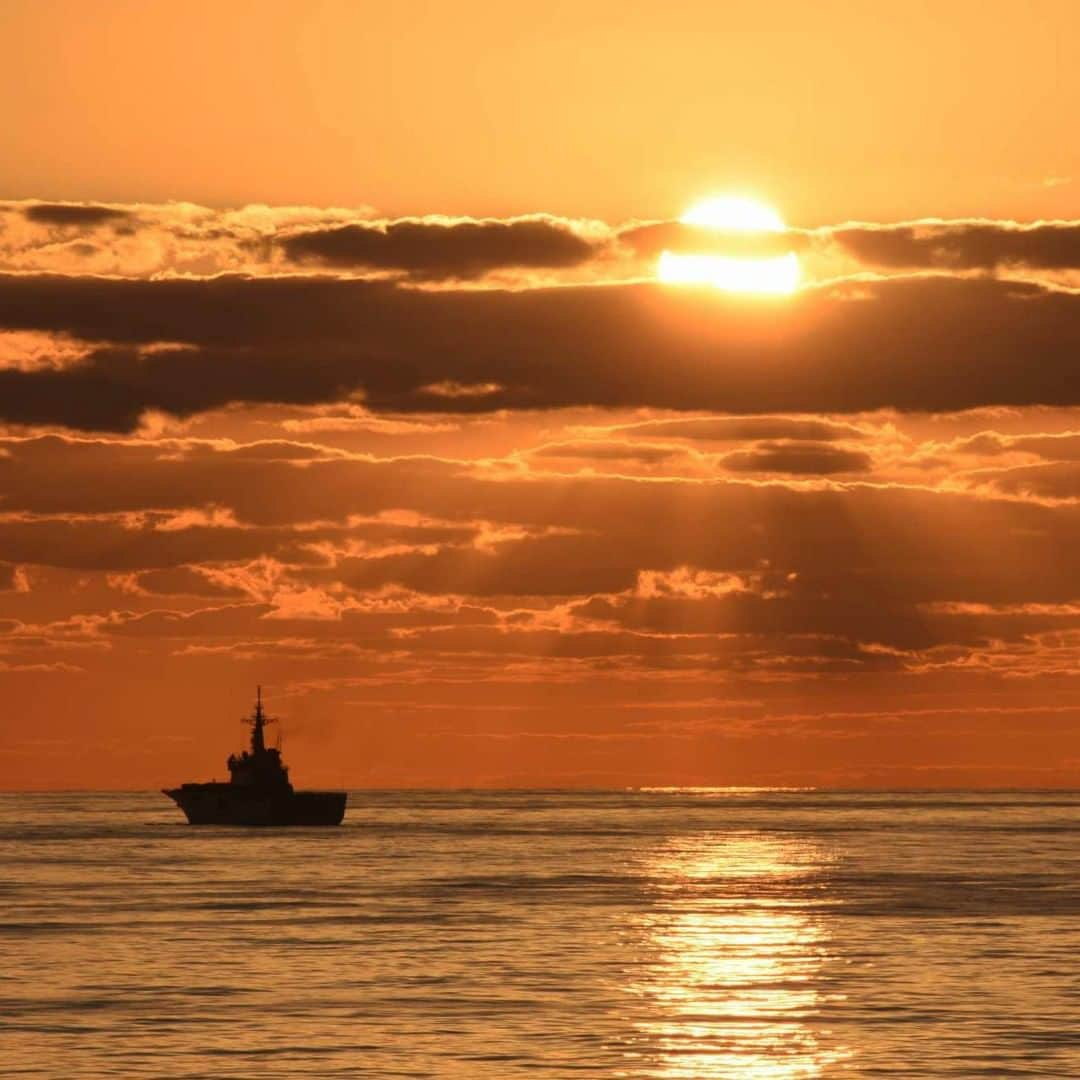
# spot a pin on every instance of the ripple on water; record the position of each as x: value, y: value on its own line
x: 661, y: 934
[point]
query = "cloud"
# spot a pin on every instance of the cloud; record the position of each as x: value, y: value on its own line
x: 963, y: 245
x: 688, y: 583
x: 13, y: 579
x: 641, y: 452
x: 141, y: 240
x: 370, y: 488
x: 1058, y: 446
x: 441, y: 248
x: 1059, y: 480
x: 452, y: 389
x: 741, y: 429
x: 806, y: 458
x: 175, y: 581
x: 795, y: 457
x: 924, y: 343
x: 855, y: 551
x: 79, y: 215
x: 464, y: 583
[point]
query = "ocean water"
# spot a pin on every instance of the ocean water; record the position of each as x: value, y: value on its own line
x: 677, y: 934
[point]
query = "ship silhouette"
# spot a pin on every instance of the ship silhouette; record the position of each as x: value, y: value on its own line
x: 258, y: 791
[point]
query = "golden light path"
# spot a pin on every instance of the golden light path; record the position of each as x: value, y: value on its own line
x: 735, y: 976
x: 773, y: 275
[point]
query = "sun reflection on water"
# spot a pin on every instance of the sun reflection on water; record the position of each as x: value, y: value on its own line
x: 733, y: 982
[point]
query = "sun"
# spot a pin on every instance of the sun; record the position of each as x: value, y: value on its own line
x: 773, y: 274
x: 734, y: 214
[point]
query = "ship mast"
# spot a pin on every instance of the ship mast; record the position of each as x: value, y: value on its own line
x: 258, y: 722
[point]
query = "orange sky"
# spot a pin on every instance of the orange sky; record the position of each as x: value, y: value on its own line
x: 833, y: 110
x: 476, y: 498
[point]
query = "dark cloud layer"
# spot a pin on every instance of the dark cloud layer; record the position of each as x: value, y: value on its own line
x: 71, y: 502
x: 198, y: 564
x: 85, y: 215
x: 964, y: 245
x: 798, y: 459
x: 202, y: 242
x: 934, y: 344
x: 739, y: 429
x: 463, y: 249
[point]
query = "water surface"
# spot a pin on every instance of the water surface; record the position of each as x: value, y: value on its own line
x: 760, y: 935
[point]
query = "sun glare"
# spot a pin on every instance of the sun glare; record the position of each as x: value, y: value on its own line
x: 773, y: 274
x: 734, y: 214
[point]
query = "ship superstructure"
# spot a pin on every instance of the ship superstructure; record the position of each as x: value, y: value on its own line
x: 258, y: 791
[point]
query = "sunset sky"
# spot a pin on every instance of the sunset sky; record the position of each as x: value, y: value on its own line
x: 334, y: 357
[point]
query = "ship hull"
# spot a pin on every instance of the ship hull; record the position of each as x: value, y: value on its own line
x: 232, y: 804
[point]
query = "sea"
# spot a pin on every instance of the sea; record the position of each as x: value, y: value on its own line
x: 676, y: 933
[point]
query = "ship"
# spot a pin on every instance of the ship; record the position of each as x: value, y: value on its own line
x: 258, y: 791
